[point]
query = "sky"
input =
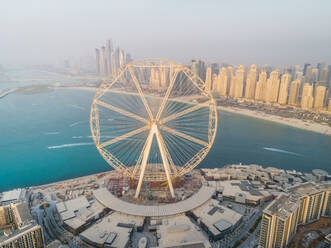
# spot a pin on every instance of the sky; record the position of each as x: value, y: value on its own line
x: 270, y: 32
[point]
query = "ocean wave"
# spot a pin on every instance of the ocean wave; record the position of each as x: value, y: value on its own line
x: 77, y: 137
x: 76, y: 123
x: 281, y: 151
x: 70, y: 145
x: 52, y: 133
x: 77, y: 107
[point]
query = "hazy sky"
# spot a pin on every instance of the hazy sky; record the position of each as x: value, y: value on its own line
x: 235, y: 31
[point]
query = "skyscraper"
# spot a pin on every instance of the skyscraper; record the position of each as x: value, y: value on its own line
x: 103, y: 62
x: 320, y: 97
x: 97, y: 60
x: 198, y: 67
x: 116, y: 59
x: 272, y: 87
x: 208, y: 78
x: 251, y: 82
x: 214, y: 82
x: 239, y: 82
x: 307, y: 98
x: 308, y: 74
x: 283, y: 91
x: 261, y: 87
x: 121, y: 57
x: 294, y: 93
x: 223, y: 81
x: 109, y: 51
x: 305, y: 68
x: 320, y: 67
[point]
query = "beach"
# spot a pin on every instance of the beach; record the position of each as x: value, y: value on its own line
x: 305, y: 125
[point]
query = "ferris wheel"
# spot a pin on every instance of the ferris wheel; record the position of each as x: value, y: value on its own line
x: 154, y: 120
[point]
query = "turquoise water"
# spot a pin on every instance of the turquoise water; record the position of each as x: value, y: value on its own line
x: 46, y: 137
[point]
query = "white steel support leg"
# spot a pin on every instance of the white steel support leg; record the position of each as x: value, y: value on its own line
x: 165, y: 161
x: 154, y: 131
x: 145, y: 159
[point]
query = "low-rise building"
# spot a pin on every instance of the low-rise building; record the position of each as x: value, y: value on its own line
x: 113, y: 231
x: 77, y: 214
x: 242, y: 191
x: 215, y: 219
x: 179, y: 231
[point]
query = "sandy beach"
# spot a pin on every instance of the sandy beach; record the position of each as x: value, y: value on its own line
x: 305, y: 125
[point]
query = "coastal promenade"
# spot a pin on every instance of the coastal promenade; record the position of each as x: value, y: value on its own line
x: 296, y: 123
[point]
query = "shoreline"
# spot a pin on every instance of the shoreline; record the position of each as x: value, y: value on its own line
x: 296, y: 123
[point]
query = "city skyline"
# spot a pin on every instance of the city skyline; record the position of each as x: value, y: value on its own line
x: 259, y: 33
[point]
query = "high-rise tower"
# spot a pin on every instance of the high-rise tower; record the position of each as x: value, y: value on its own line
x: 239, y: 82
x: 320, y: 97
x: 109, y: 51
x: 294, y: 93
x: 272, y: 87
x: 283, y: 91
x: 307, y: 98
x: 97, y: 60
x: 261, y: 87
x: 208, y: 78
x: 251, y: 82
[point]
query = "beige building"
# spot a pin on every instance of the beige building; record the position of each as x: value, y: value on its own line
x: 294, y: 93
x: 239, y: 82
x: 283, y: 91
x: 208, y: 78
x: 329, y: 106
x: 261, y: 87
x: 251, y: 82
x: 215, y: 82
x: 223, y: 81
x: 307, y: 98
x: 232, y: 82
x: 303, y: 204
x: 320, y: 97
x: 31, y: 236
x: 272, y: 87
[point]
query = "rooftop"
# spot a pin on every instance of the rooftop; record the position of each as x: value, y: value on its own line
x: 108, y: 231
x: 180, y: 231
x: 283, y: 206
x: 12, y: 195
x: 217, y: 218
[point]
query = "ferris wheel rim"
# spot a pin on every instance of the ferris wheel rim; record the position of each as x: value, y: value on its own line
x: 131, y: 171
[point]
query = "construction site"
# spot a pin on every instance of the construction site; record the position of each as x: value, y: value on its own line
x: 154, y: 192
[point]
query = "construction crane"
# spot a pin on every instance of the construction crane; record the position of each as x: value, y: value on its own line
x: 149, y: 195
x: 165, y: 189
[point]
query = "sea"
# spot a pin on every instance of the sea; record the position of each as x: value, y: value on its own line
x: 45, y: 137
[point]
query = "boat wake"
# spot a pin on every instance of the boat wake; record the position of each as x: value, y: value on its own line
x: 52, y: 133
x: 281, y: 151
x: 77, y: 107
x: 70, y: 145
x: 76, y: 123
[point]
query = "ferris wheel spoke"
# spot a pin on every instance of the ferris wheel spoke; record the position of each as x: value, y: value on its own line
x: 124, y: 136
x: 185, y: 136
x: 121, y: 111
x: 184, y: 112
x: 142, y: 96
x: 165, y: 98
